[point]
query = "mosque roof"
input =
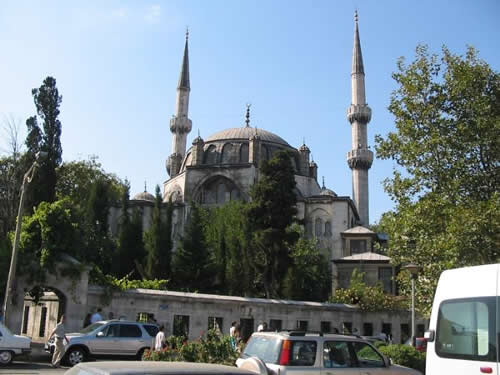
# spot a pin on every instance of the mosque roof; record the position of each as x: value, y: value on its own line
x: 144, y: 196
x: 246, y: 133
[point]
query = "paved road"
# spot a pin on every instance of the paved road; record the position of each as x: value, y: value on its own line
x: 37, y: 363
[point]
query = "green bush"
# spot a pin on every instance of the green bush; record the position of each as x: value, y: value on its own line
x: 405, y: 355
x: 213, y: 348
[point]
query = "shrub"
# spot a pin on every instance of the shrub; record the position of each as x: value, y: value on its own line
x: 213, y: 348
x: 405, y: 355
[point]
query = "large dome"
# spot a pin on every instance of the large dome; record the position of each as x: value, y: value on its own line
x: 246, y: 133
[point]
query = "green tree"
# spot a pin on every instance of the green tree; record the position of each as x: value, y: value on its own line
x: 271, y: 211
x: 47, y: 101
x: 52, y: 230
x: 192, y: 260
x: 130, y: 244
x: 157, y: 241
x: 308, y: 277
x: 447, y: 150
x: 228, y: 237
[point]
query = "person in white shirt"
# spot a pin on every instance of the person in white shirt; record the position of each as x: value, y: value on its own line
x: 60, y: 333
x: 96, y: 317
x: 160, y: 339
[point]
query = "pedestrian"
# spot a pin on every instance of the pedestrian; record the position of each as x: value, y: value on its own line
x: 86, y: 321
x: 231, y: 330
x: 96, y: 317
x: 262, y: 327
x: 160, y: 339
x: 60, y: 335
x: 111, y: 316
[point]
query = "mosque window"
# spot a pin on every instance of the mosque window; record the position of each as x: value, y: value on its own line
x: 210, y: 155
x: 358, y: 246
x: 264, y: 153
x: 221, y: 193
x: 318, y: 227
x: 328, y: 229
x: 229, y: 153
x: 235, y: 195
x: 244, y: 153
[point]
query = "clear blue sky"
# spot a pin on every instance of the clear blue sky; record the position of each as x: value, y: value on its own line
x: 117, y: 64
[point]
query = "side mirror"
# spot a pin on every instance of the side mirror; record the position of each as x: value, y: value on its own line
x: 429, y: 335
x: 100, y: 334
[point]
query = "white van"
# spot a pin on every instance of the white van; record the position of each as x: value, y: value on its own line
x: 12, y: 345
x: 464, y: 329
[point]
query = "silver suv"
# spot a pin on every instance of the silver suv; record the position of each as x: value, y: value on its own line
x: 108, y: 338
x: 298, y: 352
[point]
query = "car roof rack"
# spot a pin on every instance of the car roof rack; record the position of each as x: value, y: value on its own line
x: 294, y: 332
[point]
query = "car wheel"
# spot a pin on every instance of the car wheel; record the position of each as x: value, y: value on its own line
x: 140, y: 353
x: 5, y: 357
x: 76, y: 355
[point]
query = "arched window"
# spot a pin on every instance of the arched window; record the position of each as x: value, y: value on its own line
x: 228, y: 154
x: 318, y: 227
x: 328, y: 229
x: 210, y: 155
x: 244, y: 153
x: 221, y: 192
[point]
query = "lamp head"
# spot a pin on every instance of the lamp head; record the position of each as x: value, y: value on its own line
x: 412, y: 268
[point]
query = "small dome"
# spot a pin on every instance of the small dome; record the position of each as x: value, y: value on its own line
x: 144, y: 196
x: 304, y: 148
x: 325, y: 191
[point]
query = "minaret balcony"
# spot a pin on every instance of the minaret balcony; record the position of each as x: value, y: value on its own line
x: 180, y: 125
x: 360, y: 113
x: 361, y: 158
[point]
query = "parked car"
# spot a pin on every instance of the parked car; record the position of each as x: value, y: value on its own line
x: 155, y: 368
x: 420, y: 343
x: 12, y: 345
x: 107, y: 339
x: 463, y: 335
x: 294, y: 352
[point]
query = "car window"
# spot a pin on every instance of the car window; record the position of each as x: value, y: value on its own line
x: 367, y: 355
x: 303, y: 353
x: 130, y: 330
x: 337, y: 354
x: 151, y: 329
x: 91, y: 328
x: 265, y: 348
x: 113, y: 330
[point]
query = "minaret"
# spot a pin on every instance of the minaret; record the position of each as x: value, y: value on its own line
x: 360, y: 158
x: 180, y: 124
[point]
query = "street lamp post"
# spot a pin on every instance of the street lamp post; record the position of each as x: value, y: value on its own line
x: 28, y: 176
x: 413, y: 269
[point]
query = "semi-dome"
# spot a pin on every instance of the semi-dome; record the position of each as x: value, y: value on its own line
x: 246, y: 133
x: 144, y: 196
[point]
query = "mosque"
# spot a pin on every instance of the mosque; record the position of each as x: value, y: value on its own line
x: 225, y: 165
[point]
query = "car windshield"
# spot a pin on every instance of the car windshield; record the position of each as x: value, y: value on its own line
x: 5, y: 329
x: 91, y: 327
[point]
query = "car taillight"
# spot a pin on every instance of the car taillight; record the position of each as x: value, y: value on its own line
x: 285, y: 352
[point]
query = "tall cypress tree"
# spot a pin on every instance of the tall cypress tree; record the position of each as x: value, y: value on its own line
x: 192, y: 260
x: 157, y: 241
x: 271, y: 211
x: 47, y: 139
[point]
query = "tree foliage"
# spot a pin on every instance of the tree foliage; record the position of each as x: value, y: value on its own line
x: 271, y: 211
x: 368, y: 298
x: 193, y: 266
x: 157, y: 241
x: 309, y: 277
x: 52, y: 230
x: 447, y: 150
x: 47, y: 139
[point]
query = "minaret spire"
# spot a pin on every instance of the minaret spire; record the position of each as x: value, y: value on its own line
x: 180, y: 124
x: 360, y: 158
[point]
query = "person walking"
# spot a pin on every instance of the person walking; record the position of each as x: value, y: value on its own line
x: 96, y: 317
x: 160, y: 339
x: 60, y: 335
